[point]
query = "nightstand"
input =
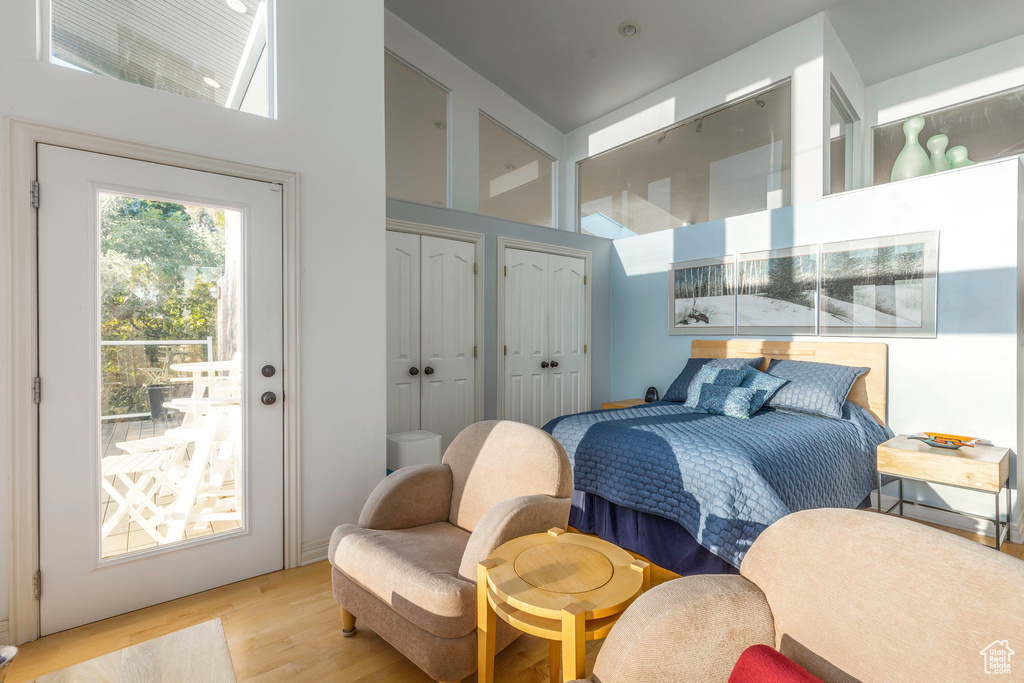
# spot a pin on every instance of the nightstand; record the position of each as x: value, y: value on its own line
x: 981, y: 468
x: 628, y: 403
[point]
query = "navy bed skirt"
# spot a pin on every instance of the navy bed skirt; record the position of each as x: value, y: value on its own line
x: 662, y: 541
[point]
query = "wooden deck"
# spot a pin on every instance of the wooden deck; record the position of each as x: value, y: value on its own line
x: 128, y: 536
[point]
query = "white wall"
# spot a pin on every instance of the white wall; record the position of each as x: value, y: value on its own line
x: 470, y: 94
x: 840, y: 67
x: 966, y: 380
x: 796, y: 52
x: 332, y: 133
x: 976, y: 74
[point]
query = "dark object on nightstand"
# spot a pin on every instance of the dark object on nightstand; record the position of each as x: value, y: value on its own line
x: 652, y: 395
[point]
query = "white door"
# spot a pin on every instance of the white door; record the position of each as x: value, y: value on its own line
x: 431, y: 334
x: 160, y: 350
x: 527, y: 337
x: 448, y: 332
x: 403, y: 344
x: 567, y: 316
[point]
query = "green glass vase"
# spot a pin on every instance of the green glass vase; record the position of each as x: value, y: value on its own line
x: 912, y: 161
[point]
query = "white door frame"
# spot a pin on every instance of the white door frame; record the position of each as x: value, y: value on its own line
x: 477, y: 240
x: 19, y: 308
x: 523, y: 245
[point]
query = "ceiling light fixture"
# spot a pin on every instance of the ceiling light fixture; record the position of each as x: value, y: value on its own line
x: 700, y: 123
x: 662, y: 138
x: 238, y: 6
x: 210, y: 82
x: 440, y: 125
x: 759, y: 102
x: 510, y: 167
x: 629, y: 28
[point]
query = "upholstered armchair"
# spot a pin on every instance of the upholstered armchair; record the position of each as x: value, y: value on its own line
x: 408, y: 569
x: 849, y: 595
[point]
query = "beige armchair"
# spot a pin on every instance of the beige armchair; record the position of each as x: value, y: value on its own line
x: 408, y: 569
x: 851, y: 596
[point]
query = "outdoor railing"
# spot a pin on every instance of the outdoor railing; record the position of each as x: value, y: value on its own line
x: 131, y: 373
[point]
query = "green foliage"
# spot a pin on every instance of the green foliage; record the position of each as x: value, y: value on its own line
x: 158, y: 262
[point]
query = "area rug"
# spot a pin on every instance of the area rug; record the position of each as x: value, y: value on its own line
x: 199, y: 653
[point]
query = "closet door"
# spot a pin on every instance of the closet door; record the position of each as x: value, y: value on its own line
x: 527, y: 383
x: 448, y: 309
x: 403, y: 331
x: 567, y: 319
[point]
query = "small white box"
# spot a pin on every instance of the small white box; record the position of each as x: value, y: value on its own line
x: 413, y: 448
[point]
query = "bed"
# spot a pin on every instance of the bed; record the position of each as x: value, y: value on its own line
x: 692, y: 491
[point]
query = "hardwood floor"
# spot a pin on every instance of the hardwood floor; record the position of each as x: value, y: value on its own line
x: 283, y: 626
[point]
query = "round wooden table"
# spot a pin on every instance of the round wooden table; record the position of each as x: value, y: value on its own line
x: 567, y: 588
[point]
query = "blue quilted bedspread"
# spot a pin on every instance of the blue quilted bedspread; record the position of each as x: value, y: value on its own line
x: 723, y: 479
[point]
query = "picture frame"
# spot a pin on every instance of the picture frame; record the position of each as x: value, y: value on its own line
x: 879, y: 286
x: 777, y: 292
x: 702, y: 296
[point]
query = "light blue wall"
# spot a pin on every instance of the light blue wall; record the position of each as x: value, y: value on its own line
x: 963, y: 381
x: 492, y: 228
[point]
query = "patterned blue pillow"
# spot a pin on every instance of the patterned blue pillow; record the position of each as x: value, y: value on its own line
x: 684, y: 383
x: 764, y: 387
x: 715, y: 399
x: 813, y: 388
x: 715, y: 376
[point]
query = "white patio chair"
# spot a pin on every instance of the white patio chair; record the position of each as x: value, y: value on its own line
x: 148, y: 468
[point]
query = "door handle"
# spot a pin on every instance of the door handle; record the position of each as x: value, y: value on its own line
x: 428, y: 370
x: 414, y: 371
x: 268, y: 370
x: 554, y: 363
x: 543, y: 363
x: 268, y: 398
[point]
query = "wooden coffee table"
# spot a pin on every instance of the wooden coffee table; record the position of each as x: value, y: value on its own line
x: 567, y: 588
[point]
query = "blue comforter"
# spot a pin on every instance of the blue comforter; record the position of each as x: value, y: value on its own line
x: 723, y: 479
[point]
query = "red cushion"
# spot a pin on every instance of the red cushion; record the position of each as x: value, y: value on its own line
x: 762, y: 664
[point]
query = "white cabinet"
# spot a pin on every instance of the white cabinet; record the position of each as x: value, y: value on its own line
x: 545, y: 331
x: 431, y: 334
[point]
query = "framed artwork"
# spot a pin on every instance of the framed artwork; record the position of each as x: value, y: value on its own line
x: 702, y: 296
x: 879, y: 287
x: 777, y: 291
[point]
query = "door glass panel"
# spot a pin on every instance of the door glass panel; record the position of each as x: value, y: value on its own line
x: 170, y: 373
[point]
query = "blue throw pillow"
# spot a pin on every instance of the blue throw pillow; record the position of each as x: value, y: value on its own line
x: 715, y: 399
x: 680, y: 388
x: 813, y: 388
x: 764, y: 387
x: 714, y: 376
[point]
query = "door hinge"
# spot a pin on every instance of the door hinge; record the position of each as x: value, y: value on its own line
x: 584, y: 279
x: 35, y: 194
x: 37, y: 389
x: 506, y: 271
x: 584, y: 349
x: 506, y: 350
x: 37, y: 584
x: 475, y: 269
x: 474, y: 352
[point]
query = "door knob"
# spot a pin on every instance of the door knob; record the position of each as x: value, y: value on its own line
x: 414, y: 371
x: 268, y: 370
x: 268, y: 398
x: 543, y: 363
x: 554, y: 363
x: 428, y: 370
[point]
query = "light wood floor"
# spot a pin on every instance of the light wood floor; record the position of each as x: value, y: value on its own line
x: 283, y: 626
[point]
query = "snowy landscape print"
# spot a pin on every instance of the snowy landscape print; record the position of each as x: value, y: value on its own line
x: 884, y: 286
x: 703, y: 297
x: 776, y: 292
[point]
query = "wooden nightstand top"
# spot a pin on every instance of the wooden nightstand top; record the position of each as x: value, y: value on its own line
x: 627, y: 403
x: 981, y: 467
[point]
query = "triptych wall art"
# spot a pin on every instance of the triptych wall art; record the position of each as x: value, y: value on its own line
x: 875, y: 287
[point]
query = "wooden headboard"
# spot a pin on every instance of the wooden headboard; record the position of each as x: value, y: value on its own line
x: 869, y: 391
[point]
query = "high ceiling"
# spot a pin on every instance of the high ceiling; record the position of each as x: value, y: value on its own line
x: 565, y: 60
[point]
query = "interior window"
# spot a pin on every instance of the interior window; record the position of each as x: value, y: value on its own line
x: 725, y: 163
x: 840, y: 144
x: 214, y: 51
x: 989, y: 128
x: 416, y: 132
x: 515, y: 176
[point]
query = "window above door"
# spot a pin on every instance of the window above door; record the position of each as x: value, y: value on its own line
x: 218, y: 51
